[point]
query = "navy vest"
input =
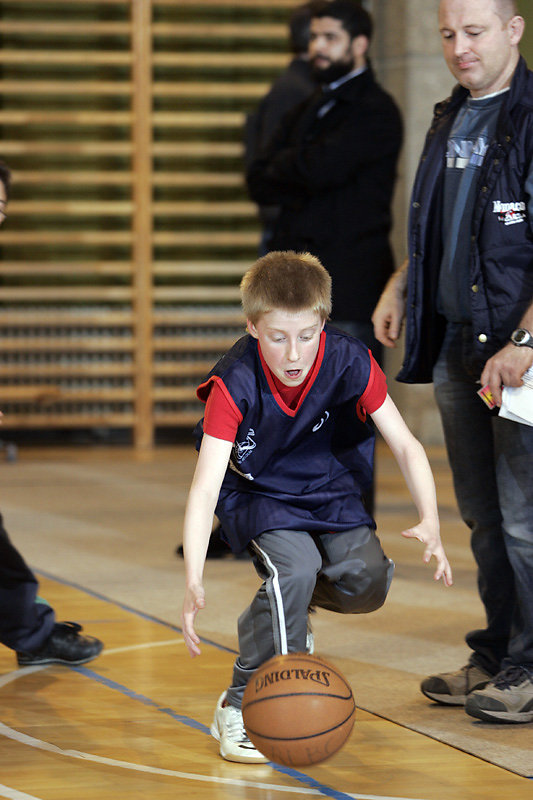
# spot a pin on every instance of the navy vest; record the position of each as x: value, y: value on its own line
x: 302, y: 470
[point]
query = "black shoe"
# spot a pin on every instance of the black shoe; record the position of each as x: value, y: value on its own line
x: 65, y: 645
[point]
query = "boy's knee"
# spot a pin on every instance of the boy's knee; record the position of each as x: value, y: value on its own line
x: 357, y: 585
x: 367, y: 590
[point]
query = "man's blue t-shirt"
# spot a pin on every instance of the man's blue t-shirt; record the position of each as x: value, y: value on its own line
x: 472, y: 131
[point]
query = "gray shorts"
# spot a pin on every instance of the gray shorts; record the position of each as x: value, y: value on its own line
x: 346, y: 572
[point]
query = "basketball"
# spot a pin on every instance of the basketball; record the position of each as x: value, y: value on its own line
x: 298, y: 709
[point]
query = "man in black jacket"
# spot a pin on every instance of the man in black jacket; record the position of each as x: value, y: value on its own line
x: 331, y: 166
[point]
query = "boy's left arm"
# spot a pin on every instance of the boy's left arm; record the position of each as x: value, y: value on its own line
x: 416, y: 470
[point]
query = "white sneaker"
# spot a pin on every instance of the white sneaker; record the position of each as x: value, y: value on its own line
x: 228, y: 729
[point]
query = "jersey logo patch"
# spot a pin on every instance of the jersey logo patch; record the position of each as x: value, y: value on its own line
x: 243, y: 449
x: 322, y: 420
x: 509, y: 213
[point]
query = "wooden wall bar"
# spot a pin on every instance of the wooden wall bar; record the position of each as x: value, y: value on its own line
x: 129, y: 226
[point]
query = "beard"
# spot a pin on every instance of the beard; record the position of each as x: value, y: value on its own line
x: 335, y: 70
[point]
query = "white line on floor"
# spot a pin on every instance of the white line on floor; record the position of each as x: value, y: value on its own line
x: 146, y: 645
x: 14, y: 794
x: 39, y: 744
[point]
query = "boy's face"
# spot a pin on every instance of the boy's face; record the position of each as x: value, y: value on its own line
x: 289, y: 342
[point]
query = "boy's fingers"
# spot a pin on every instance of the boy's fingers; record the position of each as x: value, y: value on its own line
x: 444, y: 571
x: 192, y: 640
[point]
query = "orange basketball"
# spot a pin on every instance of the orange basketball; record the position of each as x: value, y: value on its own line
x: 298, y: 709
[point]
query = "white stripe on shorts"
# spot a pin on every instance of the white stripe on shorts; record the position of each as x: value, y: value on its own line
x: 274, y: 580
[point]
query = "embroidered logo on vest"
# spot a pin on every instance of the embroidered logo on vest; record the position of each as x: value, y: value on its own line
x: 243, y: 449
x: 509, y: 213
x: 322, y: 420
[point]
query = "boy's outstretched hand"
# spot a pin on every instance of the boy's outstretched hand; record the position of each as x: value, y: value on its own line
x: 426, y: 533
x: 194, y: 601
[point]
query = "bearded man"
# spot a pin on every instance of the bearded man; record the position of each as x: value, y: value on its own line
x: 331, y: 166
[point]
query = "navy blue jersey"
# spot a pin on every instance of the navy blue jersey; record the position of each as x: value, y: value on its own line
x: 300, y: 469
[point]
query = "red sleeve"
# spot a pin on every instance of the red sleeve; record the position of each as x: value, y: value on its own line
x: 222, y: 417
x: 376, y: 390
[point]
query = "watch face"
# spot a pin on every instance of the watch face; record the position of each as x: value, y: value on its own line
x: 521, y: 336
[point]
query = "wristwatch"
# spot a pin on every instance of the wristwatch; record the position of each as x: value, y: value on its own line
x: 522, y: 338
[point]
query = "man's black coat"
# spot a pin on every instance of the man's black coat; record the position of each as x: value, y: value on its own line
x: 334, y: 177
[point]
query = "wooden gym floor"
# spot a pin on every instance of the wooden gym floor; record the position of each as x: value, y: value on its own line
x: 100, y: 526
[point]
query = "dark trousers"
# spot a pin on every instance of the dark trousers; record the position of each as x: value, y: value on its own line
x: 24, y: 623
x: 492, y: 464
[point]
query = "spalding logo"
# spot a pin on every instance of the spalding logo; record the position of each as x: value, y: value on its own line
x: 299, y: 674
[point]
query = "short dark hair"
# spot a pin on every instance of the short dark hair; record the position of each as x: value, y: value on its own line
x: 354, y: 18
x: 5, y: 177
x: 300, y: 27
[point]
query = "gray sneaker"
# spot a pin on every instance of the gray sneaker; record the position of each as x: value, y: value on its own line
x: 508, y: 697
x: 451, y: 688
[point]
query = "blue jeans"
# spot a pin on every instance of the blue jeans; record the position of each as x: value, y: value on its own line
x: 492, y: 465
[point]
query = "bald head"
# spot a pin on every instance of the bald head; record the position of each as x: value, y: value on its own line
x: 506, y: 9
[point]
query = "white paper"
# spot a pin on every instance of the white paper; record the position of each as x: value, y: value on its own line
x: 517, y: 402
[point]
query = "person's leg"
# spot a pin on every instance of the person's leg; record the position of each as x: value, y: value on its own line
x: 25, y: 624
x: 356, y: 574
x: 509, y: 696
x: 28, y: 626
x: 276, y: 620
x: 274, y: 623
x: 468, y: 430
x: 514, y: 472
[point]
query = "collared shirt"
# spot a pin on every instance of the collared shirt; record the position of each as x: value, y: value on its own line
x: 330, y: 87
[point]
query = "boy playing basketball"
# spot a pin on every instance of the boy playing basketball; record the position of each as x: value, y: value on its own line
x: 285, y: 453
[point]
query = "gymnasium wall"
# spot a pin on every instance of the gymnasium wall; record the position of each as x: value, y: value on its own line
x: 525, y: 7
x: 129, y: 224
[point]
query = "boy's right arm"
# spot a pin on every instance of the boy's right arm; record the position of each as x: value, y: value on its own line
x: 203, y: 495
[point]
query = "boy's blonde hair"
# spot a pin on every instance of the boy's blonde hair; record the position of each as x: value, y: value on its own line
x: 287, y: 280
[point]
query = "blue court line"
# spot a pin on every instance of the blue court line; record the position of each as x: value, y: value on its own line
x: 141, y: 698
x: 287, y: 770
x: 130, y: 609
x: 192, y: 723
x: 298, y: 776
